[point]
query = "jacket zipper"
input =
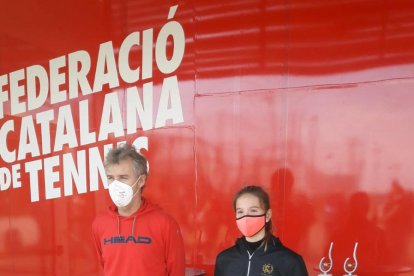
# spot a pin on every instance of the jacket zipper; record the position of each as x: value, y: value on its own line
x: 250, y: 259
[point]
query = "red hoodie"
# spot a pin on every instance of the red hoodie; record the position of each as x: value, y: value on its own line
x: 148, y: 242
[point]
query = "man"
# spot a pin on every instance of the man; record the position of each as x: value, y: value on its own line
x: 135, y: 237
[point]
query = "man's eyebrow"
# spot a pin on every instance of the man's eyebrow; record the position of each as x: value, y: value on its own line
x: 120, y: 176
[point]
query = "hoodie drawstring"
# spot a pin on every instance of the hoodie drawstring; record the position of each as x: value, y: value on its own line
x: 132, y: 229
x: 133, y: 226
x: 119, y: 228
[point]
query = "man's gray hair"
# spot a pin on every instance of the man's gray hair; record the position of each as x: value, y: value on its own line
x: 124, y: 152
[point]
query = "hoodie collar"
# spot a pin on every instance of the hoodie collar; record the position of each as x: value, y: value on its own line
x: 145, y: 207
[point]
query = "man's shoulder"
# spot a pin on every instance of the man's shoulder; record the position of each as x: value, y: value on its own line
x: 160, y: 215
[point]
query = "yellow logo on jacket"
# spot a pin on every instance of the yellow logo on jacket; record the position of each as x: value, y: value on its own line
x: 267, y: 269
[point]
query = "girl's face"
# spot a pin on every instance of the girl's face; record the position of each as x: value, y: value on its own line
x: 248, y: 204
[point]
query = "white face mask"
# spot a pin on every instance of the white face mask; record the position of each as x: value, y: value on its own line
x: 121, y: 193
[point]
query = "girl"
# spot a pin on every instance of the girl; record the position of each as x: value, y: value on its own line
x: 258, y: 252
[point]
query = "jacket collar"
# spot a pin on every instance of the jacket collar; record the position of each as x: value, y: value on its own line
x: 273, y: 244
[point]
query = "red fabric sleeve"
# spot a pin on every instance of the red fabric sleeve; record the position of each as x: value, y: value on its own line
x: 175, y: 250
x: 97, y: 241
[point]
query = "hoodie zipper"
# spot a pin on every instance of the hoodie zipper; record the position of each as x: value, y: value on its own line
x: 250, y: 259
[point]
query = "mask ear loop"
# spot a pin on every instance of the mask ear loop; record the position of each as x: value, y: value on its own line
x: 135, y: 184
x: 137, y: 180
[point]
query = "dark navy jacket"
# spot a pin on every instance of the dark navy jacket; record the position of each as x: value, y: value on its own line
x: 277, y: 260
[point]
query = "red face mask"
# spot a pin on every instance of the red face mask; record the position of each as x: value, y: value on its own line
x: 251, y: 225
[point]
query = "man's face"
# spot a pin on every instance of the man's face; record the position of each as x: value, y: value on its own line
x: 125, y: 173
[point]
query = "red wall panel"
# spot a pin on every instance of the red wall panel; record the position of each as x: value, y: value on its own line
x: 311, y: 100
